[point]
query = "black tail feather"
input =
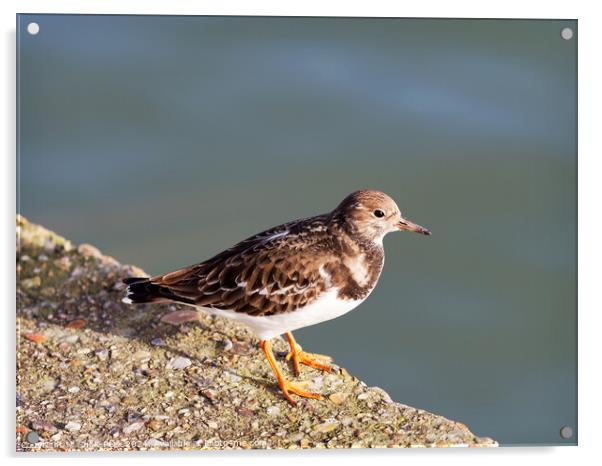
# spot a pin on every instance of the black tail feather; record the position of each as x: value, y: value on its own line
x: 140, y: 290
x: 131, y: 280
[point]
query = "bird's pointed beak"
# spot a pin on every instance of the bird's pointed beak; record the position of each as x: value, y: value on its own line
x: 405, y: 225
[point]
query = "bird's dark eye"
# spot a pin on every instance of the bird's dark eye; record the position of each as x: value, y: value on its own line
x: 378, y: 213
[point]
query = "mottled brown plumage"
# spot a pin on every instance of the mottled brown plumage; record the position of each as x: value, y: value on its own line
x: 290, y: 276
x: 283, y: 268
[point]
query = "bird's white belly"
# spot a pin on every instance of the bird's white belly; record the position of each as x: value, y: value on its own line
x: 326, y: 307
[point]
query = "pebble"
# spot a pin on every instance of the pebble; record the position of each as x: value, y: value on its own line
x: 245, y: 412
x: 154, y: 442
x: 48, y: 385
x: 78, y: 271
x: 135, y: 426
x: 48, y: 292
x: 208, y: 393
x: 327, y: 426
x: 77, y: 324
x: 154, y: 425
x: 35, y: 337
x: 157, y: 342
x: 31, y: 282
x: 240, y: 347
x: 42, y: 425
x: 385, y: 396
x: 131, y: 416
x: 273, y: 410
x: 102, y: 354
x: 64, y: 263
x: 142, y: 355
x: 212, y: 424
x: 232, y: 377
x: 70, y: 339
x: 116, y: 367
x: 363, y: 396
x: 107, y: 406
x: 73, y: 426
x: 48, y: 246
x: 226, y: 344
x: 317, y: 383
x: 304, y: 443
x: 87, y: 250
x: 179, y: 363
x: 73, y: 389
x: 180, y: 317
x: 338, y: 398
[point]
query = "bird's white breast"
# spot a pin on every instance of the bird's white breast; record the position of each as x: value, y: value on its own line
x: 326, y: 307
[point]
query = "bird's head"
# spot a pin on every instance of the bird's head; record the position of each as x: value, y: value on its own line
x: 373, y: 214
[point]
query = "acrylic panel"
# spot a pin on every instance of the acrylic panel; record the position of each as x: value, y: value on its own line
x: 160, y: 141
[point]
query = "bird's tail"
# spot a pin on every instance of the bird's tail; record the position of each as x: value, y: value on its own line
x: 140, y: 290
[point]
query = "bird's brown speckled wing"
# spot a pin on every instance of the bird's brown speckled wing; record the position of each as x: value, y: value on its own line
x: 273, y: 272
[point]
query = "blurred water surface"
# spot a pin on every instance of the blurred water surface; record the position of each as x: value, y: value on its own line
x: 163, y: 140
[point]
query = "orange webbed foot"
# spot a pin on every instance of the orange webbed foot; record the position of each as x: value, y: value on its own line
x: 291, y: 387
x: 317, y: 361
x: 285, y: 386
x: 296, y: 353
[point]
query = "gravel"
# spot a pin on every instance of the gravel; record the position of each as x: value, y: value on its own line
x: 122, y: 379
x: 178, y: 363
x: 72, y: 425
x: 135, y: 426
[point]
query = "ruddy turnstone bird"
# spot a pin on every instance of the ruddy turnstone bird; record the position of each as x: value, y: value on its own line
x: 290, y: 276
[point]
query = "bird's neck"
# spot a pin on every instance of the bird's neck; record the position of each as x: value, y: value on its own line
x: 361, y: 263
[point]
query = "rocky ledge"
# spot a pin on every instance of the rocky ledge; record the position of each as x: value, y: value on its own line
x: 96, y: 374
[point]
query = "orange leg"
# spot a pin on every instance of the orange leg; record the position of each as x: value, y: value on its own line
x: 317, y: 361
x: 286, y: 386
